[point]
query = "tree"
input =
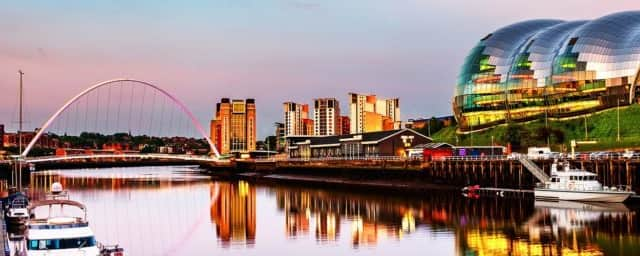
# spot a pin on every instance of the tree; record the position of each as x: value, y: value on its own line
x: 515, y: 135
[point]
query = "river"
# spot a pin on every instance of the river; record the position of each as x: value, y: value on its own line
x: 178, y: 211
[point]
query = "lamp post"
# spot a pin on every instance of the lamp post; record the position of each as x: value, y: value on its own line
x: 492, y: 145
x: 586, y: 131
x: 618, y: 114
x: 19, y: 173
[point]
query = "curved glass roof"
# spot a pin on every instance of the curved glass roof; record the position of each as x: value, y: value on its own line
x: 539, y: 67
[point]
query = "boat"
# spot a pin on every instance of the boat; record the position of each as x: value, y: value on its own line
x: 61, y: 233
x: 16, y: 211
x: 570, y: 184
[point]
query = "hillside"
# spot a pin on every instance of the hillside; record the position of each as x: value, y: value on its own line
x: 601, y: 127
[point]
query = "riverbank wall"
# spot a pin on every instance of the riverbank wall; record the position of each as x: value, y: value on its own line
x: 404, y: 174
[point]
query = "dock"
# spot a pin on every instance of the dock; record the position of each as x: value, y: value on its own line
x: 504, y: 192
x: 4, y: 235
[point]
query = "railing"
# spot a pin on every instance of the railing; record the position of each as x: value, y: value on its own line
x: 360, y: 158
x: 534, y: 169
x: 141, y: 156
x: 471, y: 158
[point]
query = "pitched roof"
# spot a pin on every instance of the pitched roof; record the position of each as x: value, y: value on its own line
x: 367, y: 137
x: 433, y: 145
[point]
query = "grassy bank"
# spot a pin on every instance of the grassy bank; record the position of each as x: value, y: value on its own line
x: 601, y: 127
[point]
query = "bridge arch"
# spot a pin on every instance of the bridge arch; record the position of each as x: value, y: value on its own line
x: 173, y: 99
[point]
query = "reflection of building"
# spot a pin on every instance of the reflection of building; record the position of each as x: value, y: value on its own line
x: 327, y: 226
x: 553, y: 68
x: 370, y: 114
x: 234, y: 126
x: 371, y: 219
x: 296, y: 119
x: 326, y: 116
x: 234, y: 211
x: 384, y: 143
x: 297, y: 213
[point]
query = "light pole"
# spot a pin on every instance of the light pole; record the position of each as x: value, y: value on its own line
x: 492, y: 145
x: 19, y: 174
x: 618, y: 114
x: 586, y: 131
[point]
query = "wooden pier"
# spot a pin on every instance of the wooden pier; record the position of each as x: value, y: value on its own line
x: 498, y: 172
x: 4, y: 234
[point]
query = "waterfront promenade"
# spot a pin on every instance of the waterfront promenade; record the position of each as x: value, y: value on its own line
x: 396, y: 172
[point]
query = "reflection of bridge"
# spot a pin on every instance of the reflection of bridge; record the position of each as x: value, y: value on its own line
x: 194, y: 158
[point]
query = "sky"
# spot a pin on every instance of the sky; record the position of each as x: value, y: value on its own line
x: 273, y: 51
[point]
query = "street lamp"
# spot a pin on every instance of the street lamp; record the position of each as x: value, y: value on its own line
x: 492, y: 145
x: 618, y: 114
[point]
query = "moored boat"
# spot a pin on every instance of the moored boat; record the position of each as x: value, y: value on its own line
x: 60, y: 231
x: 16, y: 207
x: 572, y: 184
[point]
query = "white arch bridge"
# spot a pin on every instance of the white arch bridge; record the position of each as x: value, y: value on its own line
x: 72, y: 105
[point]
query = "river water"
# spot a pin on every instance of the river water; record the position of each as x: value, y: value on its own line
x: 178, y: 211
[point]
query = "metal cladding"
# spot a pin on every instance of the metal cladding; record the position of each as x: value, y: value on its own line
x: 551, y: 68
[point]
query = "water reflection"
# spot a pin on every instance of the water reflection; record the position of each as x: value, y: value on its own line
x: 176, y: 211
x: 233, y: 210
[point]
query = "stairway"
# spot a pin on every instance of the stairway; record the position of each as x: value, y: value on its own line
x: 534, y: 169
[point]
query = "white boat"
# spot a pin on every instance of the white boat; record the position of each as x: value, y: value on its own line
x: 579, y: 185
x: 59, y: 233
x: 16, y: 209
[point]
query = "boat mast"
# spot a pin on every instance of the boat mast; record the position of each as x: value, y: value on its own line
x: 20, y: 121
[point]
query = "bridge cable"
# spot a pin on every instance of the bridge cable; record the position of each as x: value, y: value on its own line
x: 171, y: 131
x: 130, y: 108
x: 153, y: 104
x: 86, y: 111
x: 119, y: 105
x: 97, y: 108
x: 144, y: 92
x: 164, y: 102
x: 75, y: 125
x: 108, y: 109
x: 66, y: 122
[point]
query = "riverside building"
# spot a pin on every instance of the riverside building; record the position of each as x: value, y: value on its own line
x: 367, y: 113
x: 370, y: 144
x: 549, y: 69
x: 296, y: 119
x: 326, y: 117
x: 234, y: 126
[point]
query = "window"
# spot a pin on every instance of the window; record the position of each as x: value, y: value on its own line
x: 67, y: 243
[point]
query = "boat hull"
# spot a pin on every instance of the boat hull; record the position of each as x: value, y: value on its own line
x: 587, y: 196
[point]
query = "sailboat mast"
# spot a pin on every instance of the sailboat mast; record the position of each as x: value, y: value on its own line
x: 20, y: 122
x: 20, y: 116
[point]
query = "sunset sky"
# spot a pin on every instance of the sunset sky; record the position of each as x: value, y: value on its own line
x: 273, y: 51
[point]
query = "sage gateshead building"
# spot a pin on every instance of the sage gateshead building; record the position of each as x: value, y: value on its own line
x: 549, y: 68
